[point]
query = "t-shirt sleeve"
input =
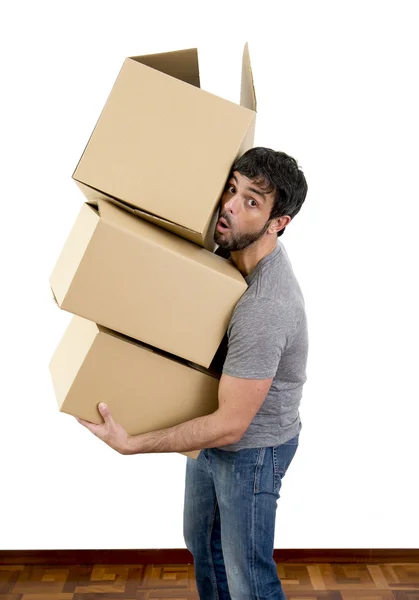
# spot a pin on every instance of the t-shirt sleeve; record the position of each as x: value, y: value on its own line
x: 257, y: 336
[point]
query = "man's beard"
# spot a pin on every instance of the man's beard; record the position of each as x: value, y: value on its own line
x: 239, y: 241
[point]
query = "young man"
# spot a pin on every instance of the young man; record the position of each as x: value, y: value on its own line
x: 231, y: 491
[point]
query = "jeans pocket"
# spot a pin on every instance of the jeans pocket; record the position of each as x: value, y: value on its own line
x: 267, y: 480
x: 271, y: 465
x: 283, y: 455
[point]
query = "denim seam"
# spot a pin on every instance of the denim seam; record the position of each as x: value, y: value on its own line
x: 277, y: 474
x: 259, y: 462
x: 253, y: 560
x: 212, y: 568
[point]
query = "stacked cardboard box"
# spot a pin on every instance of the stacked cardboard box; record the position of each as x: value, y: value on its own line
x: 151, y: 302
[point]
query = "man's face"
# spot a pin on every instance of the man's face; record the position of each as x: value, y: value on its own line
x: 244, y: 213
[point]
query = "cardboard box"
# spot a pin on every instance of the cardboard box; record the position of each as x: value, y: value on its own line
x: 142, y: 281
x: 164, y: 146
x: 145, y: 390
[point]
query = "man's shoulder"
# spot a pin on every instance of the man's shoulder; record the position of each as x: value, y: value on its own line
x: 269, y: 300
x: 275, y: 281
x: 254, y: 311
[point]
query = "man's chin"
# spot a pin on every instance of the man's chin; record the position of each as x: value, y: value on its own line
x: 220, y: 239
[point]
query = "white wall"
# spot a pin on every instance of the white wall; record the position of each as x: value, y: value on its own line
x: 336, y: 85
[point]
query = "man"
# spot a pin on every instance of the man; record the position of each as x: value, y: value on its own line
x: 231, y: 491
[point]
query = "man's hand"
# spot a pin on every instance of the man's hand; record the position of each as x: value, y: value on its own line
x: 109, y: 432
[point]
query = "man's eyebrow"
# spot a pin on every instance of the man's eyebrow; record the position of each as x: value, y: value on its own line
x: 254, y: 190
x: 258, y: 192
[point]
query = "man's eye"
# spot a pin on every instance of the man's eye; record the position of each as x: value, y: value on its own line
x: 253, y: 202
x: 230, y: 189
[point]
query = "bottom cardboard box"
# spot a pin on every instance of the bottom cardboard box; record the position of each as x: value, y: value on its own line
x: 145, y: 389
x: 192, y: 454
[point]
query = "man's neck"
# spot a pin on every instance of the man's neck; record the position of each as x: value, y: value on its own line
x: 247, y: 259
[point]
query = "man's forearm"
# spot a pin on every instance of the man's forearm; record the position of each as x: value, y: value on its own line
x: 203, y: 432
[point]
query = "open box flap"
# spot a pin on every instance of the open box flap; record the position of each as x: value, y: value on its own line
x: 181, y: 64
x: 247, y: 95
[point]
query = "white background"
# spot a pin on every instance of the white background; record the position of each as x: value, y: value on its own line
x: 336, y: 85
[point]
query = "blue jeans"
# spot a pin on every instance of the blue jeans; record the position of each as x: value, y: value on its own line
x: 229, y: 520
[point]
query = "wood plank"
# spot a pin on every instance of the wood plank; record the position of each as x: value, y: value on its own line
x: 322, y: 581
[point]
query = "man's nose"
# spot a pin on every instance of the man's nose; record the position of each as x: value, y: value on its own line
x: 232, y: 204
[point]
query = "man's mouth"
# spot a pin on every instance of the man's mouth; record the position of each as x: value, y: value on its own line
x: 222, y: 224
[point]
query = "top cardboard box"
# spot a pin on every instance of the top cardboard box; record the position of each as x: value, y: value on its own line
x: 165, y: 147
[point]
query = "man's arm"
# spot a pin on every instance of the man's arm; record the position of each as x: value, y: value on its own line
x: 239, y: 401
x: 209, y: 431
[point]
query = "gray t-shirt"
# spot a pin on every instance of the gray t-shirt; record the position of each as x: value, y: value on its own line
x: 267, y: 337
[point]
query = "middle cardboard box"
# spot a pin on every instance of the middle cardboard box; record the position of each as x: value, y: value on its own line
x: 137, y: 279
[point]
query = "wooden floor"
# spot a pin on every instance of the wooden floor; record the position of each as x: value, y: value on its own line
x: 386, y: 581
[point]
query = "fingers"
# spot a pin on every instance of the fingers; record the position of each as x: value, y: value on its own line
x: 91, y: 426
x: 104, y: 428
x: 106, y: 413
x: 109, y: 432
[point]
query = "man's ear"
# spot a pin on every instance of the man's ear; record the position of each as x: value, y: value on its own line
x: 279, y: 223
